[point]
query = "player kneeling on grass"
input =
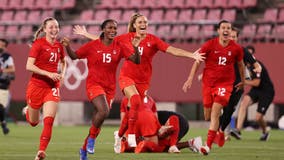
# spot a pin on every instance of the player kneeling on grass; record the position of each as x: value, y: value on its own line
x: 152, y: 137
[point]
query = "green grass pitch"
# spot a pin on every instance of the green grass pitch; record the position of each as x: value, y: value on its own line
x: 22, y: 143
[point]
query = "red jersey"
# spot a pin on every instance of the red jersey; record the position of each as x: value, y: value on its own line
x: 148, y: 104
x: 148, y: 47
x: 219, y: 63
x: 102, y: 61
x: 47, y: 58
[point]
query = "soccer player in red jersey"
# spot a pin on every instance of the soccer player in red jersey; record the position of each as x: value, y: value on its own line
x: 218, y: 77
x: 134, y: 80
x: 103, y: 56
x: 45, y: 55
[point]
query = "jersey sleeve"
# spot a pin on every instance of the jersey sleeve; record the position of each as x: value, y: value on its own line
x: 83, y: 51
x: 161, y: 45
x: 205, y: 48
x: 248, y: 58
x: 35, y: 49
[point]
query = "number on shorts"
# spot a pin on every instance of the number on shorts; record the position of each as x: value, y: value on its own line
x: 221, y: 91
x: 55, y: 92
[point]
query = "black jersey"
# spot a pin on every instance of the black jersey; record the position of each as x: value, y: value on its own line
x: 265, y: 81
x: 248, y: 59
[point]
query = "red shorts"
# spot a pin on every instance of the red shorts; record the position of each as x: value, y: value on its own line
x: 36, y: 96
x: 147, y: 124
x: 219, y: 94
x: 96, y: 90
x: 126, y: 82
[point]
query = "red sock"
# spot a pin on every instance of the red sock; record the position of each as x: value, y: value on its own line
x: 174, y: 121
x: 135, y: 102
x: 28, y: 119
x: 46, y: 132
x: 93, y: 133
x: 210, y: 137
x: 123, y: 126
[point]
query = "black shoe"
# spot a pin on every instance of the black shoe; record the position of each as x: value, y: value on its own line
x: 5, y: 129
x: 235, y: 133
x: 264, y: 136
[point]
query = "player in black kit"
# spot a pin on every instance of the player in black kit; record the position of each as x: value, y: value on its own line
x: 262, y: 91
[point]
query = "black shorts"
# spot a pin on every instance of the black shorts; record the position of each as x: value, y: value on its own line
x: 264, y: 99
x: 183, y: 123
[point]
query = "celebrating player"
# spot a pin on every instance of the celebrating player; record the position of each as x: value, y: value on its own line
x: 103, y: 56
x: 45, y: 55
x: 218, y: 77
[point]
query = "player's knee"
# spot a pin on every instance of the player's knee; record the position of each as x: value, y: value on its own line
x: 103, y: 113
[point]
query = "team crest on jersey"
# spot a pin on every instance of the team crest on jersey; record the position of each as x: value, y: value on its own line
x: 229, y: 53
x: 148, y: 44
x: 114, y: 52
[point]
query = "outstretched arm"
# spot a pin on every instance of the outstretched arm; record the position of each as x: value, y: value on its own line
x: 81, y: 30
x: 66, y: 43
x: 183, y: 53
x: 187, y: 84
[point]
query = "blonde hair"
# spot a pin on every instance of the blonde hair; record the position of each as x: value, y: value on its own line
x: 132, y: 21
x: 42, y: 26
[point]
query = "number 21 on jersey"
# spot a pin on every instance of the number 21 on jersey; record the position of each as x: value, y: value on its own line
x: 53, y: 57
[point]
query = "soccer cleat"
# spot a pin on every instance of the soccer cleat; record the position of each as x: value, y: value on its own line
x: 91, y: 145
x: 173, y: 149
x: 5, y: 129
x: 131, y: 140
x: 83, y: 154
x: 235, y: 133
x: 40, y: 155
x: 195, y: 144
x: 204, y: 150
x: 264, y: 136
x: 117, y: 142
